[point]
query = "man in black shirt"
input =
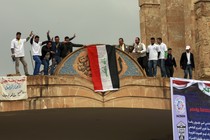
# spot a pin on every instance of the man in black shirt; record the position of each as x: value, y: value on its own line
x: 170, y: 64
x: 187, y: 62
x: 47, y: 54
x: 67, y: 47
x: 56, y: 47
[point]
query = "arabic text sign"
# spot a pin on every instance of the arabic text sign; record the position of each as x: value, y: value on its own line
x: 190, y: 109
x: 13, y: 88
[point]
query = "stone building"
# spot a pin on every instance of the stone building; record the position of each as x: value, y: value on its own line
x: 65, y: 106
x: 179, y: 23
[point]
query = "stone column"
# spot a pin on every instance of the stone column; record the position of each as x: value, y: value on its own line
x: 150, y: 20
x: 164, y: 21
x: 175, y: 29
x: 202, y: 38
x: 189, y: 21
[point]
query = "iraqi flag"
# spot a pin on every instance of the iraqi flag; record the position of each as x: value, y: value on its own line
x: 103, y: 66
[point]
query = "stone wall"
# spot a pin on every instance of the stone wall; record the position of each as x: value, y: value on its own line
x: 49, y: 92
x: 202, y: 12
x: 179, y: 23
x: 150, y: 21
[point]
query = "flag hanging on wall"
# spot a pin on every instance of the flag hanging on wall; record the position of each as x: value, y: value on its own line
x: 103, y: 66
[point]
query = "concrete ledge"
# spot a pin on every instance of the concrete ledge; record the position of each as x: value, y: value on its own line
x: 49, y: 92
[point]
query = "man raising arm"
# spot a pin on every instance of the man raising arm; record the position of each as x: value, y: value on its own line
x: 17, y: 49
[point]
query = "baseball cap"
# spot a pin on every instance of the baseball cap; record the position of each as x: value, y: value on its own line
x: 187, y: 47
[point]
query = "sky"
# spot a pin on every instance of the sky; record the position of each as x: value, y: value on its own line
x: 93, y: 22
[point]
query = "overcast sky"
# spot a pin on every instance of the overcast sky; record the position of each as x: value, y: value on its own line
x: 93, y: 21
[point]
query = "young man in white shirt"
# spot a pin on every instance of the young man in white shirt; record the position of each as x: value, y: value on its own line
x: 141, y: 51
x: 17, y: 49
x: 162, y: 57
x: 153, y: 52
x: 36, y: 52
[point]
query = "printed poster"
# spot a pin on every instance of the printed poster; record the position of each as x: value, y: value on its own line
x: 190, y: 109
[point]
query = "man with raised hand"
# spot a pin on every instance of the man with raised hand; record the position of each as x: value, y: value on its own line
x: 18, y: 53
x: 56, y: 47
x: 47, y: 54
x: 36, y: 52
x: 67, y: 47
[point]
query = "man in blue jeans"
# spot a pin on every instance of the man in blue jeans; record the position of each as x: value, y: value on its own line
x: 46, y: 56
x: 36, y: 52
x: 187, y: 62
x: 153, y: 51
x: 170, y: 64
x: 56, y: 47
x: 162, y: 57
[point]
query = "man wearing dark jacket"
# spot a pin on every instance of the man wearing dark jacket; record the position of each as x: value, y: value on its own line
x: 56, y: 47
x: 187, y: 62
x: 47, y: 54
x: 67, y: 47
x: 170, y: 64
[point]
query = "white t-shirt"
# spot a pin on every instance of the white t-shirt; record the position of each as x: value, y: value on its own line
x: 18, y: 46
x: 36, y: 48
x: 153, y: 51
x: 188, y: 58
x: 163, y: 49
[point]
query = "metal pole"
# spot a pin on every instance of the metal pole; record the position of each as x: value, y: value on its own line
x: 32, y: 61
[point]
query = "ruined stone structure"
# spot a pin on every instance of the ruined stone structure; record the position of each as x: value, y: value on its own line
x: 179, y: 23
x: 69, y: 93
x: 75, y: 92
x: 72, y: 87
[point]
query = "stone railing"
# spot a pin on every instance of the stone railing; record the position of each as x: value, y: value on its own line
x: 52, y: 92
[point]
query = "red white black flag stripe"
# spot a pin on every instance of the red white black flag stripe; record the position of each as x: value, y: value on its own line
x: 103, y: 66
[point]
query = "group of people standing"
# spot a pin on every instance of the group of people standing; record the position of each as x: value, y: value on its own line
x: 43, y: 52
x: 157, y: 54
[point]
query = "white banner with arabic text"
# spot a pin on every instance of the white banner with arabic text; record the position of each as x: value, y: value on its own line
x: 13, y: 88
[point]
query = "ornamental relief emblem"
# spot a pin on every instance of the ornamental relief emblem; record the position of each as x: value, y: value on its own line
x: 82, y: 65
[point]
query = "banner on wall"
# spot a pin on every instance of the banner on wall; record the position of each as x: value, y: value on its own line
x: 13, y: 88
x: 190, y: 101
